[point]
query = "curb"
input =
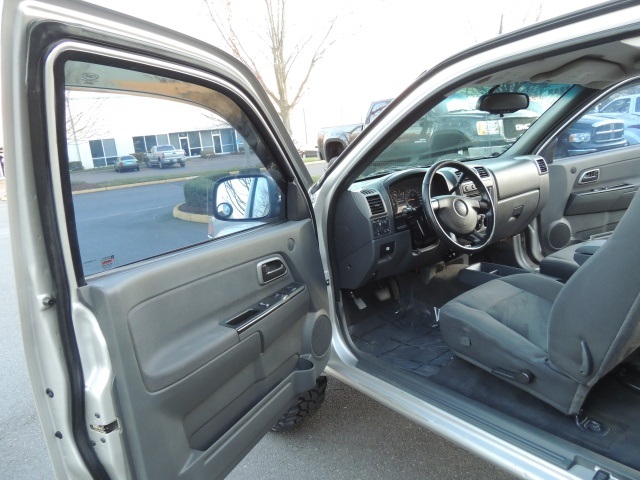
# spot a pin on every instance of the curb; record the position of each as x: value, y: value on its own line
x: 131, y: 185
x: 189, y: 217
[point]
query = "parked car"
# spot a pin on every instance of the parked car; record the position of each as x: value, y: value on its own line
x: 307, y: 150
x: 164, y: 156
x: 624, y: 104
x: 125, y: 163
x: 410, y: 277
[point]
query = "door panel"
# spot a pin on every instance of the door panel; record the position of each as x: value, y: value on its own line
x: 589, y: 194
x: 198, y: 349
x: 186, y: 377
x: 594, y: 175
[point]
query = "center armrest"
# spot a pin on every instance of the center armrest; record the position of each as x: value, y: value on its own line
x: 585, y: 251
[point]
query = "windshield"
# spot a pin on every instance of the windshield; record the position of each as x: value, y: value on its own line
x: 456, y: 129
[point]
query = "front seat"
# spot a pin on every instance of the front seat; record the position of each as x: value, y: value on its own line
x: 555, y: 340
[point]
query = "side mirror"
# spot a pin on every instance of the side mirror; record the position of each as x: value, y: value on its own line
x: 246, y: 197
x: 504, y: 102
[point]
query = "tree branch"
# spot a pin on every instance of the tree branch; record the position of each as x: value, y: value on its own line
x: 319, y: 53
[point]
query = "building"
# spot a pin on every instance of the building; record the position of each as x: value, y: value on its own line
x: 101, y: 127
x: 104, y: 151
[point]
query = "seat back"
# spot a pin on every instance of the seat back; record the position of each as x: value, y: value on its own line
x: 595, y: 320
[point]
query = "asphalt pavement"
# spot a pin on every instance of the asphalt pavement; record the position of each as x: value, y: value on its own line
x: 351, y: 436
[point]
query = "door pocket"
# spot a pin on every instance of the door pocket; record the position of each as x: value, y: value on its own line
x: 604, y: 199
x: 293, y: 377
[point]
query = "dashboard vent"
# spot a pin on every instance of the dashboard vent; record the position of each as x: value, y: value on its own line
x: 542, y: 165
x: 393, y: 161
x: 482, y: 172
x: 375, y: 204
x: 368, y: 192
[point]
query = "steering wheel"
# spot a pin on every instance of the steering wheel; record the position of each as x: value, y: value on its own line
x: 465, y: 224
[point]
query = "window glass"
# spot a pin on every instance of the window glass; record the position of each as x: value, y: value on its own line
x: 139, y: 145
x: 456, y: 128
x: 609, y: 125
x: 207, y: 140
x: 617, y: 106
x: 194, y: 143
x: 165, y: 201
x: 96, y: 148
x: 150, y: 141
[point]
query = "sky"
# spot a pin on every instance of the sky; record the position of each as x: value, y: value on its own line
x: 378, y: 46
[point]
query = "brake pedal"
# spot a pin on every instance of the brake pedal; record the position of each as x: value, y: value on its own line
x: 383, y: 294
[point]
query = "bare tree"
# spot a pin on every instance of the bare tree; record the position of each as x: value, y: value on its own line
x: 82, y: 122
x: 285, y: 54
x: 530, y: 17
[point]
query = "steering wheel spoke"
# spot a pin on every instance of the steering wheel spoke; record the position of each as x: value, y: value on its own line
x: 474, y: 237
x: 483, y: 206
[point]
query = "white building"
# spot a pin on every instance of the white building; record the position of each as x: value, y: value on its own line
x: 101, y: 127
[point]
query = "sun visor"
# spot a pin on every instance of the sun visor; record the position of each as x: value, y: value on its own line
x: 589, y: 72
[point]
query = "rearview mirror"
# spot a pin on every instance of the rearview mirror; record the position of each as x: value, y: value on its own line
x: 501, y: 103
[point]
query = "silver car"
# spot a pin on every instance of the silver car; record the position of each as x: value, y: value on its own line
x: 494, y: 299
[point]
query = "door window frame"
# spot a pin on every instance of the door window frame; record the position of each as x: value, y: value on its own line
x: 80, y: 51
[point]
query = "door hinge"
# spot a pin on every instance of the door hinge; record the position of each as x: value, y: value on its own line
x: 601, y: 475
x: 105, y: 429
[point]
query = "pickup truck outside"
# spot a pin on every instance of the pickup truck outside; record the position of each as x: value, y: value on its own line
x: 452, y: 128
x: 333, y: 140
x: 165, y: 156
x: 594, y: 133
x: 456, y: 128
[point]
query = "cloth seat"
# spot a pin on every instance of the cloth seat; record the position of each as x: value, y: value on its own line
x: 550, y: 339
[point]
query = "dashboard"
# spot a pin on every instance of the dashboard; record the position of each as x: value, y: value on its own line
x: 381, y: 229
x: 408, y: 193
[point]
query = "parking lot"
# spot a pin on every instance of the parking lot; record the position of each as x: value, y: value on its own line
x: 194, y: 165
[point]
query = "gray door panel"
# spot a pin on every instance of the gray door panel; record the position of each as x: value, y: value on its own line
x: 199, y: 346
x: 588, y: 195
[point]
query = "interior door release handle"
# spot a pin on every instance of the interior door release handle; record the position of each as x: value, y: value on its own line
x: 589, y: 176
x: 271, y: 269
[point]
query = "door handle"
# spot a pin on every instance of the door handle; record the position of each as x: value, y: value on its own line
x: 589, y: 176
x: 271, y: 269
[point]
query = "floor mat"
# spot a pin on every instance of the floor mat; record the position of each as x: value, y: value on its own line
x: 407, y: 337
